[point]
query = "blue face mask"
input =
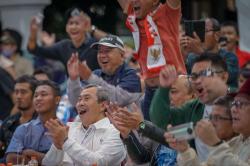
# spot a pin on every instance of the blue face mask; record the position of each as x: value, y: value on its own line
x: 7, y: 53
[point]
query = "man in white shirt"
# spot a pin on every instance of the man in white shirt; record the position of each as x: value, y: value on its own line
x: 94, y: 140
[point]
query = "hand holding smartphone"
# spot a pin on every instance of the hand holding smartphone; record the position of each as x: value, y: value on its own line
x: 197, y: 26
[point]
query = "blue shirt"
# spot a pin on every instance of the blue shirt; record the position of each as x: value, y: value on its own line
x: 30, y: 135
x: 165, y: 156
x: 124, y: 76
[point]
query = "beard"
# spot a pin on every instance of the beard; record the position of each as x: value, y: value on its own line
x: 23, y: 108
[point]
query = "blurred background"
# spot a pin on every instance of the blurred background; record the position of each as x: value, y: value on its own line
x: 105, y: 14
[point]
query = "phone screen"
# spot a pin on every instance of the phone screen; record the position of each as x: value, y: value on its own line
x: 197, y: 26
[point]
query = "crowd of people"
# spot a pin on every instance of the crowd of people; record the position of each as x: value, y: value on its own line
x: 89, y: 100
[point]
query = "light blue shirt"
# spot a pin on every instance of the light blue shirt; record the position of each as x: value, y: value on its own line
x: 30, y: 135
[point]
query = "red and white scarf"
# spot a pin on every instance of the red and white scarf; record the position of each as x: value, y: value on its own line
x: 155, y: 56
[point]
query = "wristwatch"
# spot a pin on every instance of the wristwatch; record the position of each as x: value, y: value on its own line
x: 142, y: 126
x: 93, y: 29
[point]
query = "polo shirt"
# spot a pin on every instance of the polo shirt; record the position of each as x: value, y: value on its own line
x: 31, y: 135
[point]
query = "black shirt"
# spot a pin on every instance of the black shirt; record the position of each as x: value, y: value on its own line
x: 63, y: 49
x: 6, y: 89
x: 8, y: 128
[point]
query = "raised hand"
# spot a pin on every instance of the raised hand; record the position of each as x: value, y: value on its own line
x: 124, y: 120
x: 48, y: 39
x: 73, y: 66
x: 190, y: 44
x: 57, y: 131
x: 205, y: 130
x: 112, y: 109
x: 84, y: 71
x: 130, y: 119
x: 168, y: 75
x: 87, y: 22
x: 34, y: 26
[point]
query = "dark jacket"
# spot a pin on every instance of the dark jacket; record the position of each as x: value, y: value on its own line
x: 63, y: 49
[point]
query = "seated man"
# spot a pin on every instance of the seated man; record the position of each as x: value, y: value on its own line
x: 94, y: 140
x: 113, y: 73
x: 23, y: 94
x: 30, y: 139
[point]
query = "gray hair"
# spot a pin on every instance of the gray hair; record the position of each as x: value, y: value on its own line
x: 101, y: 93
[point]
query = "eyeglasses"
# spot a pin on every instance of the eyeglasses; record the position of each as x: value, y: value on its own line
x: 239, y: 104
x: 212, y: 30
x: 217, y: 118
x: 204, y: 73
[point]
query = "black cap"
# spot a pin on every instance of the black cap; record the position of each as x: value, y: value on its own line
x: 6, y: 39
x: 110, y: 41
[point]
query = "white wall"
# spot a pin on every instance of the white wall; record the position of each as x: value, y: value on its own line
x: 16, y: 14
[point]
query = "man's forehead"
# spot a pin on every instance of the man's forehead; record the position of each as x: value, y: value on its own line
x: 89, y: 91
x: 77, y: 18
x: 203, y: 65
x: 43, y: 88
x: 22, y: 85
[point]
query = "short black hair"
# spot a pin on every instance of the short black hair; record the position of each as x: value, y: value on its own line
x: 225, y: 101
x: 44, y: 70
x: 51, y: 84
x: 216, y: 61
x: 28, y: 79
x: 231, y: 24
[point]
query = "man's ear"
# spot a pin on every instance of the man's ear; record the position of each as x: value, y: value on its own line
x: 217, y: 35
x: 58, y: 98
x: 225, y: 76
x: 103, y: 106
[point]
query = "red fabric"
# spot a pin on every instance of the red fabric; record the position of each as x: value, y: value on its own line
x: 243, y: 57
x: 167, y: 21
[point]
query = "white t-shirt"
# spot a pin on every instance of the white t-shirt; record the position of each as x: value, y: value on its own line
x: 201, y: 148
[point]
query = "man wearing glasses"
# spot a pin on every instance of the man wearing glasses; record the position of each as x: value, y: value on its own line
x: 208, y: 80
x: 195, y: 47
x: 219, y: 126
x: 236, y: 151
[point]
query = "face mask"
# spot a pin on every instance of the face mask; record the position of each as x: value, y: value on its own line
x: 7, y: 53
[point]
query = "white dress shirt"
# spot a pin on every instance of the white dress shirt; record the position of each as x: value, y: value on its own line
x: 100, y: 144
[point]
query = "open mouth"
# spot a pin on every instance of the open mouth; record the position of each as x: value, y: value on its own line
x: 104, y: 62
x: 200, y: 90
x: 39, y: 104
x: 74, y: 33
x: 235, y: 119
x: 82, y: 112
x: 136, y: 8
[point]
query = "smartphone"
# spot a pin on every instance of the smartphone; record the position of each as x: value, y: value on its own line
x: 197, y: 26
x: 39, y: 18
x: 183, y: 132
x: 223, y: 41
